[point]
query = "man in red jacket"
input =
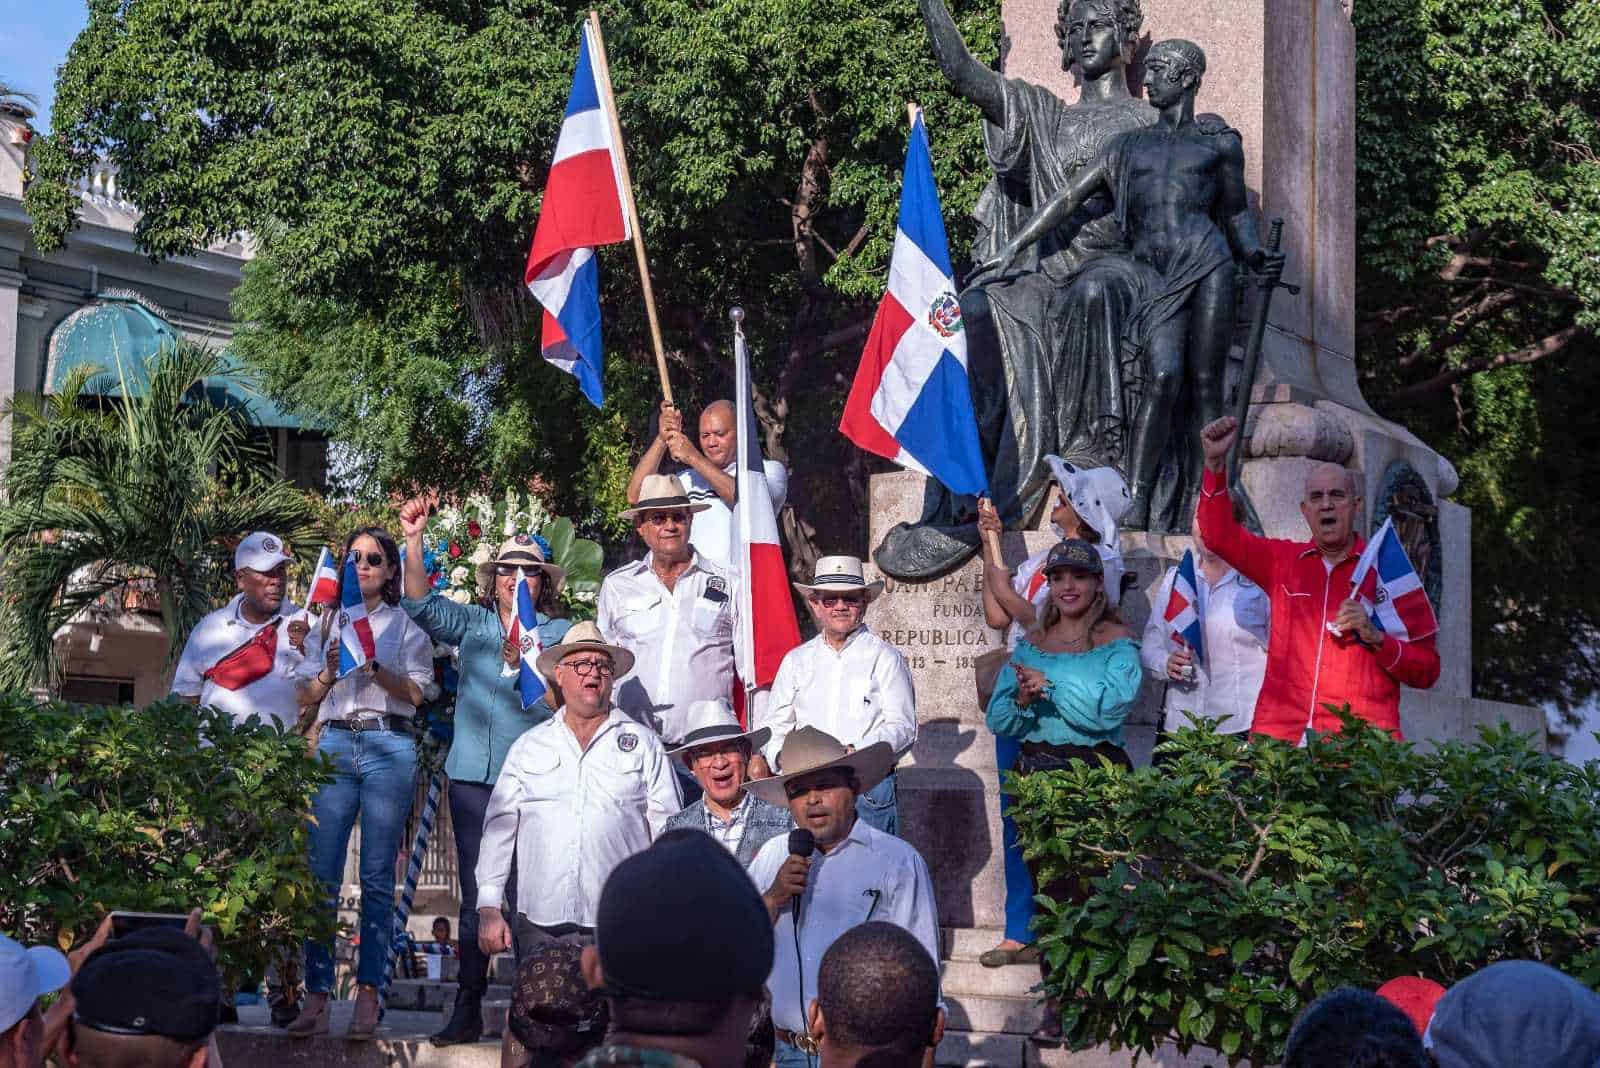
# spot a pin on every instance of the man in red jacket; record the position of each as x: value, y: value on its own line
x: 1323, y: 651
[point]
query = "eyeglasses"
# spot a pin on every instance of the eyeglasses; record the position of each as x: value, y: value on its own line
x: 706, y: 753
x: 372, y: 559
x: 661, y: 519
x: 584, y: 668
x: 828, y: 600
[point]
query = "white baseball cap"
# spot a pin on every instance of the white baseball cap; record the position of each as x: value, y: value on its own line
x: 260, y: 552
x: 25, y: 974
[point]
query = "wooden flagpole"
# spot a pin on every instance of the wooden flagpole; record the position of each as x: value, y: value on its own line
x: 629, y: 206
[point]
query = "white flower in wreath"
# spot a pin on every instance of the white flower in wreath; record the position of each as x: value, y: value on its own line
x: 583, y: 596
x: 459, y: 576
x: 460, y: 596
x: 482, y: 554
x: 451, y: 519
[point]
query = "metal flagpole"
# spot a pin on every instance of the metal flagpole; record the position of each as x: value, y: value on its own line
x: 628, y: 203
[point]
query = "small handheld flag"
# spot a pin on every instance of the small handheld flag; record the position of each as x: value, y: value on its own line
x: 324, y: 581
x: 582, y: 209
x: 357, y: 645
x: 910, y: 401
x: 1183, y: 607
x: 1388, y: 588
x: 530, y: 684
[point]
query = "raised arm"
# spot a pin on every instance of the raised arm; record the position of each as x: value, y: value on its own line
x: 974, y: 81
x: 671, y: 422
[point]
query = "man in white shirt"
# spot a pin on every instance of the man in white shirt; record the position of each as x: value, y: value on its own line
x: 1234, y: 617
x: 708, y: 477
x: 857, y: 874
x: 846, y: 682
x: 239, y: 659
x: 674, y: 611
x: 578, y: 794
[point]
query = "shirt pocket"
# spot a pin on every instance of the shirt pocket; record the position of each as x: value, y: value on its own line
x: 541, y: 776
x: 639, y: 617
x: 619, y: 773
x: 711, y: 617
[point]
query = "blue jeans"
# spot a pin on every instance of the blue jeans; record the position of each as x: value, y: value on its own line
x: 787, y: 1056
x: 376, y: 775
x: 1019, y: 884
x: 877, y: 808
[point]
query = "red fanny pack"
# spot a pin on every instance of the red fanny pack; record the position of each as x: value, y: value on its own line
x: 251, y: 661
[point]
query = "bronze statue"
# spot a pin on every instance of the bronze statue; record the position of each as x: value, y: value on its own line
x: 1178, y: 192
x: 1048, y: 371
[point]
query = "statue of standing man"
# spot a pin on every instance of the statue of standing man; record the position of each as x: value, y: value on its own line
x: 1048, y: 372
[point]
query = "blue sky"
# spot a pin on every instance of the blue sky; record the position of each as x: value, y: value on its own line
x: 34, y: 37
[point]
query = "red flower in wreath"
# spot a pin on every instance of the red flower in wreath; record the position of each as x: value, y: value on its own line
x: 473, y: 529
x: 455, y: 549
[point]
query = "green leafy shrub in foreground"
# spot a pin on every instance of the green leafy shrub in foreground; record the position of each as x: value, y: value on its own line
x: 1225, y: 892
x: 122, y: 808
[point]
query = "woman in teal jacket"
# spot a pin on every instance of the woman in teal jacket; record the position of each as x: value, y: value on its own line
x: 488, y: 718
x: 1067, y: 690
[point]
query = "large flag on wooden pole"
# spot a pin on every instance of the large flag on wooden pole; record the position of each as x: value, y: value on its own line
x: 588, y: 202
x: 767, y: 627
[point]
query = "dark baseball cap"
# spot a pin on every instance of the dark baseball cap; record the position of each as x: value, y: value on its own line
x: 682, y: 922
x: 1516, y: 1012
x: 1076, y: 554
x: 156, y: 981
x: 552, y: 1008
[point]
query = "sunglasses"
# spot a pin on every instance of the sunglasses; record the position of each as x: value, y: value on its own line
x: 828, y: 600
x: 660, y: 519
x: 507, y: 570
x: 372, y: 559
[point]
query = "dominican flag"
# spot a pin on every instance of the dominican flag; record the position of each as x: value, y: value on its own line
x: 767, y: 627
x: 1183, y: 607
x: 910, y: 401
x: 324, y: 581
x: 583, y: 208
x: 525, y: 633
x: 1388, y: 588
x: 356, y: 642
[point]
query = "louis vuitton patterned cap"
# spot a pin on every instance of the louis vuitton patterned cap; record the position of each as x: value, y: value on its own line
x: 552, y: 1009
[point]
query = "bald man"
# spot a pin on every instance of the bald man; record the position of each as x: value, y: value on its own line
x: 708, y: 475
x: 1323, y: 652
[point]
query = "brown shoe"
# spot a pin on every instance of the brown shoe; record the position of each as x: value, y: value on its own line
x: 999, y: 956
x: 364, y: 1022
x: 313, y: 1018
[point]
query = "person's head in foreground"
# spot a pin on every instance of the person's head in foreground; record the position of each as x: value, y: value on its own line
x: 1330, y: 506
x: 1414, y: 996
x: 1516, y: 1013
x: 553, y: 1013
x: 148, y: 999
x: 26, y: 974
x: 683, y: 947
x: 1350, y: 1028
x: 877, y: 1003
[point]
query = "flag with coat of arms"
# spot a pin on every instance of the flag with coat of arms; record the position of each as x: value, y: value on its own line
x: 910, y: 401
x: 1182, y: 613
x: 583, y: 208
x: 525, y: 636
x: 357, y: 644
x: 1389, y: 589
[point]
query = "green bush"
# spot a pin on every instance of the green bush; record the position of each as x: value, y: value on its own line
x: 123, y: 808
x: 1222, y: 894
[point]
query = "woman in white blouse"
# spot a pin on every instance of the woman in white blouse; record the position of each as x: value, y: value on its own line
x: 366, y: 732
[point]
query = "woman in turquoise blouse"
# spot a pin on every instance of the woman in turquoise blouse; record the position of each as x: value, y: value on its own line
x: 1067, y: 690
x: 489, y: 716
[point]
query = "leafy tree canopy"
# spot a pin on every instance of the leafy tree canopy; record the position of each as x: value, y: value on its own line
x: 389, y: 158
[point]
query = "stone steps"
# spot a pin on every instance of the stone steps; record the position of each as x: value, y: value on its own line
x: 435, y: 995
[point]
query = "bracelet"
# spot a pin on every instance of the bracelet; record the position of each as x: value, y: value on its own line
x: 328, y: 685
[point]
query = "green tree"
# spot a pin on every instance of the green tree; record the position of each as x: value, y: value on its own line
x: 390, y: 157
x: 1478, y: 299
x: 147, y: 489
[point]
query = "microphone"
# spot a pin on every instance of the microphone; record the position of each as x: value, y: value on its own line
x: 802, y: 843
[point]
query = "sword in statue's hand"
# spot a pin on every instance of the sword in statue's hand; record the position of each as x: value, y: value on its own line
x: 1268, y: 279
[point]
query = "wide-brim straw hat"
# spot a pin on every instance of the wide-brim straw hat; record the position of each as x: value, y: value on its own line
x: 521, y: 550
x: 662, y: 493
x: 581, y: 638
x: 809, y: 750
x: 840, y: 573
x: 714, y: 721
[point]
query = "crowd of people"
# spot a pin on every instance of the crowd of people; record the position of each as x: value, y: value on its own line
x: 712, y: 872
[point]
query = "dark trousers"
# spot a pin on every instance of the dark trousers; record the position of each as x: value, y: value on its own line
x: 1037, y: 757
x: 468, y: 802
x: 530, y: 936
